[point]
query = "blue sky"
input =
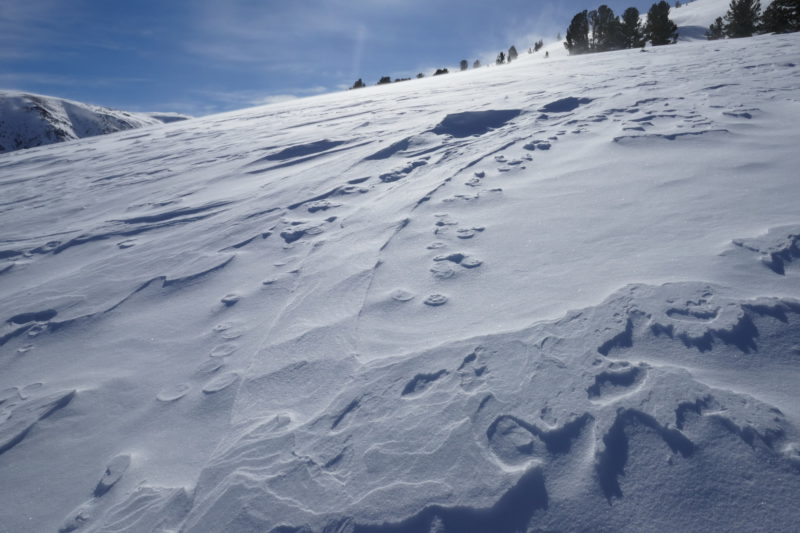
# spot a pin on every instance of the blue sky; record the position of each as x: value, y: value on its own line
x: 205, y: 56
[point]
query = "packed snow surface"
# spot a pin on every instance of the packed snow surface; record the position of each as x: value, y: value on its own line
x: 550, y: 296
x: 28, y: 120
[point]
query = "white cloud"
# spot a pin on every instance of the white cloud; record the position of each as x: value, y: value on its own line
x: 227, y: 100
x: 25, y: 24
x: 275, y: 99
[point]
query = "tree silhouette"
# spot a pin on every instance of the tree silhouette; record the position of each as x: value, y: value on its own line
x: 631, y: 29
x: 742, y: 18
x: 578, y: 34
x: 606, y: 30
x: 781, y: 16
x: 716, y: 30
x: 659, y: 29
x: 512, y: 53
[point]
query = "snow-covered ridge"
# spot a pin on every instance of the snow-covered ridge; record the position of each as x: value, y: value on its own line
x: 559, y: 295
x: 28, y: 120
x: 694, y: 18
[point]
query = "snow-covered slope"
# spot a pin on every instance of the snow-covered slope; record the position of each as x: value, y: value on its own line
x: 28, y: 120
x: 694, y: 18
x: 548, y: 296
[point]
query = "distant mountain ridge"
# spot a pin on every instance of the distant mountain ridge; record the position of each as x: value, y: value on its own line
x: 28, y: 120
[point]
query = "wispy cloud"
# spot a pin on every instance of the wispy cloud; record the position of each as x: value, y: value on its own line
x: 222, y: 100
x: 35, y: 78
x: 25, y: 24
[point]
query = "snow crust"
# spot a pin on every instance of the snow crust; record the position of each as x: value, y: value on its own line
x: 555, y: 295
x: 28, y: 120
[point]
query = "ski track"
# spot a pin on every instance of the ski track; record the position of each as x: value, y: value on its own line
x: 359, y: 321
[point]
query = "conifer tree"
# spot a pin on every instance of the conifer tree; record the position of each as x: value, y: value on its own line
x: 716, y: 30
x: 512, y: 53
x: 464, y: 64
x: 782, y: 16
x: 659, y: 29
x: 578, y: 34
x: 631, y: 29
x: 477, y: 64
x: 742, y: 18
x: 605, y: 30
x: 612, y: 38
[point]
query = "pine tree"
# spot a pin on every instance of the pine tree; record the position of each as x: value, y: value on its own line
x: 477, y: 64
x: 501, y: 58
x: 512, y: 53
x: 631, y: 29
x: 464, y: 64
x: 358, y: 84
x: 605, y: 30
x: 782, y: 16
x: 659, y: 29
x: 716, y: 30
x: 742, y: 18
x: 384, y: 80
x: 578, y: 34
x: 600, y: 28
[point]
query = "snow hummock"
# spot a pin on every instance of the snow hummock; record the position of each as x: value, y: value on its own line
x: 694, y: 18
x: 28, y: 120
x: 556, y: 295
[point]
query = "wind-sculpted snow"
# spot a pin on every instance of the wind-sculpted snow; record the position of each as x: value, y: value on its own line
x: 565, y: 105
x: 357, y: 312
x: 512, y: 410
x: 777, y: 249
x: 474, y: 122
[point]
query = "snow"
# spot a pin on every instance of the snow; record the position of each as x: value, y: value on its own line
x: 554, y: 295
x: 28, y: 120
